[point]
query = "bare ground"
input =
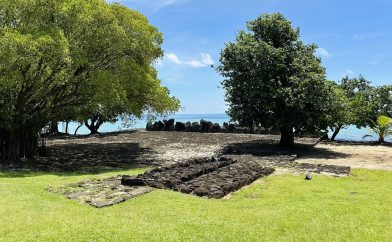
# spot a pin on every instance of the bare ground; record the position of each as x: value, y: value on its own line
x: 362, y: 156
x: 138, y: 148
x: 117, y: 151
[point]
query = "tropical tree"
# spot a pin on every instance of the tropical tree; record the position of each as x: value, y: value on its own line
x: 360, y: 104
x: 383, y: 100
x: 382, y: 128
x: 364, y: 103
x: 73, y: 60
x: 273, y: 79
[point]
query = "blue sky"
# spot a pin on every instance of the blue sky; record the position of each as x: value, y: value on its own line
x: 355, y: 37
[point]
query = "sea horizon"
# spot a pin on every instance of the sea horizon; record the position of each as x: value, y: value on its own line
x: 351, y: 133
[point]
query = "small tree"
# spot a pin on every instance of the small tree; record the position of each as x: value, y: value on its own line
x: 382, y: 128
x: 275, y: 80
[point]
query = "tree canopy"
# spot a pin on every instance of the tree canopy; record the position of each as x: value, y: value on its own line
x: 73, y: 60
x: 363, y: 103
x: 272, y: 78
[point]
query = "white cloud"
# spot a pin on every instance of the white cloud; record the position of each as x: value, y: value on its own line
x: 173, y: 58
x: 321, y: 52
x: 205, y: 60
x: 368, y: 36
x: 165, y: 3
x: 154, y: 4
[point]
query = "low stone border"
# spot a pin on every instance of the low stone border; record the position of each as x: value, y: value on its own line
x: 338, y: 170
x: 101, y: 193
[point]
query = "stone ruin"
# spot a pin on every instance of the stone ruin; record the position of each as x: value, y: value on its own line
x: 203, y: 126
x: 212, y: 178
x: 203, y: 177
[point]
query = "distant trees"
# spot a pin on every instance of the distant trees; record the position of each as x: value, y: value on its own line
x: 358, y: 95
x: 273, y: 79
x: 364, y: 103
x: 73, y: 60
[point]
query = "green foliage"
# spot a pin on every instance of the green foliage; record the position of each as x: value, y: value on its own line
x: 364, y: 103
x: 75, y: 60
x: 274, y: 79
x: 382, y: 127
x: 361, y: 104
x: 383, y: 100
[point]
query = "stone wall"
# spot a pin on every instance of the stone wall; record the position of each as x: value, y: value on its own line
x: 203, y: 126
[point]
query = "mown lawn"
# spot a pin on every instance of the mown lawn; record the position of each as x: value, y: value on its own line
x: 280, y: 208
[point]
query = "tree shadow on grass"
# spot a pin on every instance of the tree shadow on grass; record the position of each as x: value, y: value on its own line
x: 84, y: 136
x: 85, y: 159
x: 272, y: 148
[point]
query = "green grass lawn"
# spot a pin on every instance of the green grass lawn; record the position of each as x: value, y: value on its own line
x: 281, y: 208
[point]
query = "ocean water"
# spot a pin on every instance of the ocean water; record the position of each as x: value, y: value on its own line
x: 141, y: 123
x: 350, y: 133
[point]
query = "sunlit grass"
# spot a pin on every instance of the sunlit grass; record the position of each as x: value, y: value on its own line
x: 286, y: 208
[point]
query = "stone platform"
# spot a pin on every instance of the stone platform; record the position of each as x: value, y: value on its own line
x: 212, y: 178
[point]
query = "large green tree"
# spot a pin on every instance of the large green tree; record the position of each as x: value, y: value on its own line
x: 73, y: 60
x: 273, y: 79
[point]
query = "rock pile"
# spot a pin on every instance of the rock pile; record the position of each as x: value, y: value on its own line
x: 221, y: 182
x: 202, y: 126
x: 213, y: 178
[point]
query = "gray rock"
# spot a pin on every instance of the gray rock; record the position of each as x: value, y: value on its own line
x: 308, y: 176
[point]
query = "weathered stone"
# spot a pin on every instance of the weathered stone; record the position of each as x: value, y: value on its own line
x: 188, y: 127
x: 101, y: 193
x: 206, y: 126
x: 132, y: 181
x: 216, y: 128
x: 308, y: 176
x: 225, y: 127
x: 150, y: 126
x: 168, y: 125
x: 202, y: 191
x: 180, y: 127
x: 231, y: 128
x: 212, y: 178
x: 196, y: 127
x: 159, y: 125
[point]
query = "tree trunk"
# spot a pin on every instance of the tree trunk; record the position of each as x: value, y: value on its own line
x: 96, y: 123
x: 54, y: 128
x: 17, y: 144
x: 80, y: 125
x: 335, y: 133
x: 66, y: 127
x: 381, y: 138
x: 286, y: 137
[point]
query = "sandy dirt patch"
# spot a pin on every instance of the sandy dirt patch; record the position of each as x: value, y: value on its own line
x: 374, y: 157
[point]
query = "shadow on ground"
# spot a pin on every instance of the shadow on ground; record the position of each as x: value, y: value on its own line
x: 80, y: 159
x: 272, y: 148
